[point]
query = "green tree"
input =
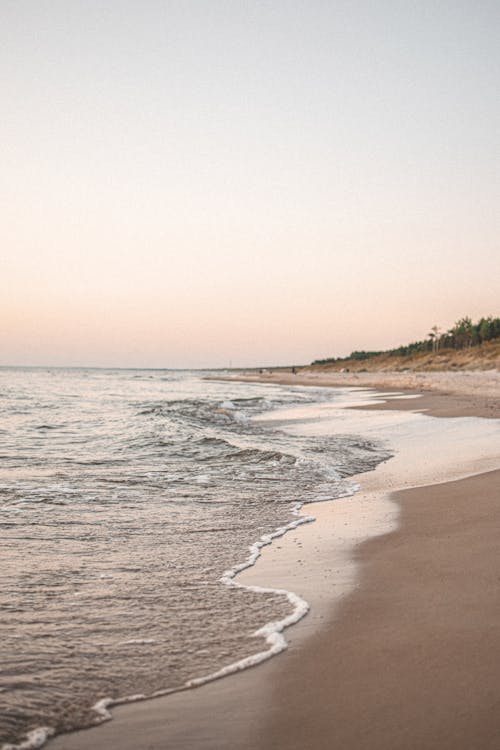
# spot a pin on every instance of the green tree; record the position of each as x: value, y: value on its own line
x: 462, y: 333
x: 435, y: 335
x: 485, y: 329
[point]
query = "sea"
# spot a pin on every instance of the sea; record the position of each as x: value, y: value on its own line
x: 129, y: 501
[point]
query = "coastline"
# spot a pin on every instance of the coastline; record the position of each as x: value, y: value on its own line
x: 441, y: 394
x: 235, y: 711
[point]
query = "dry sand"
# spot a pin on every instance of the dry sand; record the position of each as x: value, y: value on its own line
x: 401, y: 647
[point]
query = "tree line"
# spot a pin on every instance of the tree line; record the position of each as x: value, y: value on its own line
x: 463, y: 335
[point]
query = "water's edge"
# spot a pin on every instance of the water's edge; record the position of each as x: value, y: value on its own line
x: 272, y: 633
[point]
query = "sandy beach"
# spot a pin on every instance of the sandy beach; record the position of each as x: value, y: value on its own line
x: 250, y: 376
x: 442, y: 394
x: 411, y: 660
x: 400, y: 648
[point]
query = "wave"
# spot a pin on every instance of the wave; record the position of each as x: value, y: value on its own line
x: 272, y: 632
x: 142, y: 466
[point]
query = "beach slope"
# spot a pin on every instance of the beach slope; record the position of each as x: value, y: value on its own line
x: 408, y: 656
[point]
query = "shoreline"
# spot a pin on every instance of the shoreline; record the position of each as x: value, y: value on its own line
x: 303, y: 699
x: 441, y: 394
x: 169, y: 722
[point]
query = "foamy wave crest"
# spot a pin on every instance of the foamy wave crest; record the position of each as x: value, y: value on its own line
x: 34, y: 739
x: 272, y: 631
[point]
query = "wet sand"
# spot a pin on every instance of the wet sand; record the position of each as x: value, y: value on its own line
x: 405, y: 657
x: 411, y: 660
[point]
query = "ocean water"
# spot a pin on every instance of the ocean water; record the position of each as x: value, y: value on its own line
x: 128, y: 500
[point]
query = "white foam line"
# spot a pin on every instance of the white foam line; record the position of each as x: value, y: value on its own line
x: 34, y: 739
x: 272, y: 632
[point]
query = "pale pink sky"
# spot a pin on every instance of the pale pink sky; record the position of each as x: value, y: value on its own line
x: 187, y: 184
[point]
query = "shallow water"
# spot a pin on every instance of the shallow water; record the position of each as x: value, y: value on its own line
x: 124, y: 496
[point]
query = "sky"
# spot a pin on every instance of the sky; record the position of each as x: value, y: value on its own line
x: 199, y: 183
